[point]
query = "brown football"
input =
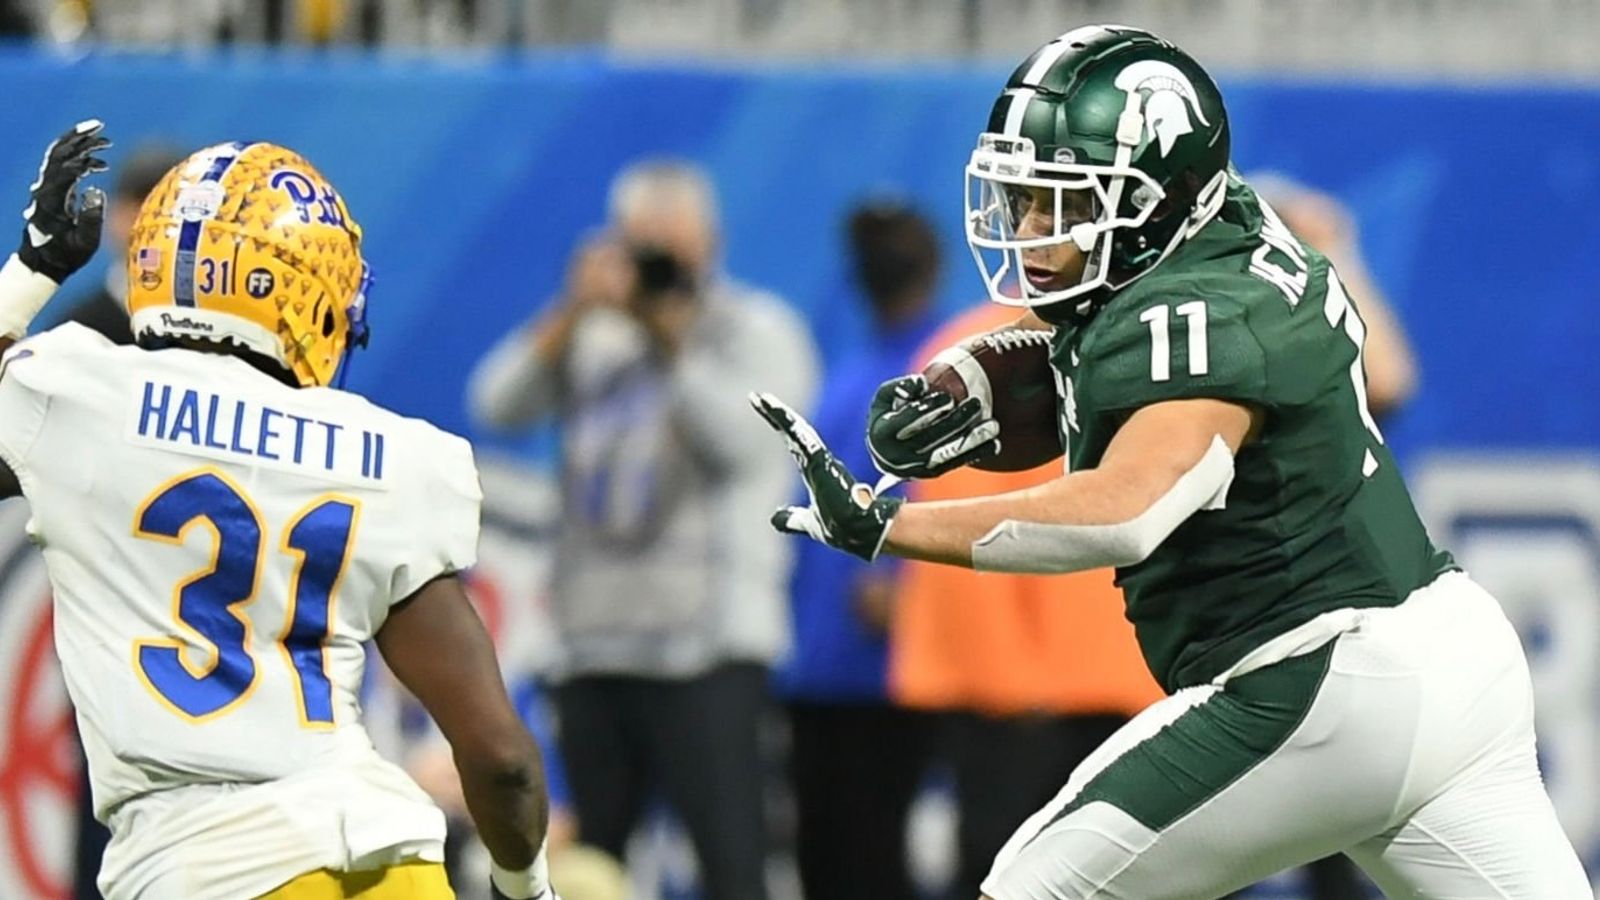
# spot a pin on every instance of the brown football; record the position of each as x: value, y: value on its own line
x: 1009, y: 370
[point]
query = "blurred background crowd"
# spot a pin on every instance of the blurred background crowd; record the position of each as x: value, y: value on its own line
x: 596, y: 224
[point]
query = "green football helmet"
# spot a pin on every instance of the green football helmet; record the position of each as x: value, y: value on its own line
x: 1126, y: 133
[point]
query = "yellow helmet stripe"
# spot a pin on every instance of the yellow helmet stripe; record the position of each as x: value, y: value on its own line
x: 203, y: 207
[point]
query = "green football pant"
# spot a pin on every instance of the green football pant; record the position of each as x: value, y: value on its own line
x: 1405, y: 740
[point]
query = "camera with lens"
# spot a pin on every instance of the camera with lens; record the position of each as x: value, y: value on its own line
x: 659, y: 272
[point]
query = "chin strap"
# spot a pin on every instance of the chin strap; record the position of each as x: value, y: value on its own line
x: 360, y: 332
x: 340, y: 379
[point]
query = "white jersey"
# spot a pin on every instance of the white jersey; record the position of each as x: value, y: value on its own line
x: 221, y: 546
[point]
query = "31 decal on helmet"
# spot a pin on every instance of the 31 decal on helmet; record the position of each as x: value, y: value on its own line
x: 1117, y: 141
x: 247, y: 244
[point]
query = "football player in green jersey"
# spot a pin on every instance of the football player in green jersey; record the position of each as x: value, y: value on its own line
x: 1337, y: 683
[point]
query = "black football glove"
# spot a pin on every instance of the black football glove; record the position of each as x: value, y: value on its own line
x: 63, y: 229
x: 917, y: 431
x: 844, y: 513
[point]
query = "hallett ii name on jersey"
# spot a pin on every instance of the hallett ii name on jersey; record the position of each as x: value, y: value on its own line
x: 210, y: 424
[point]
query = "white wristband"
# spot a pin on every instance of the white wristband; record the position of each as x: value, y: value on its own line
x: 531, y: 883
x: 23, y: 292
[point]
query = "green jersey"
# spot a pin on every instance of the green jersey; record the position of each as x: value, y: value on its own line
x: 1317, y: 517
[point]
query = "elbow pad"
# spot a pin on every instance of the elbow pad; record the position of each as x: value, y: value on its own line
x: 1044, y: 549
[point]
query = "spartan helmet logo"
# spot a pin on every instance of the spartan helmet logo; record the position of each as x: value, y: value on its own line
x: 1169, y: 99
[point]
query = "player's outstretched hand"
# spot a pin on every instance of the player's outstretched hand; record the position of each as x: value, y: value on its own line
x: 917, y: 431
x: 844, y: 512
x: 63, y: 224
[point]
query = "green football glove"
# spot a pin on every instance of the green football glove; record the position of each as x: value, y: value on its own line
x: 917, y: 431
x: 844, y: 513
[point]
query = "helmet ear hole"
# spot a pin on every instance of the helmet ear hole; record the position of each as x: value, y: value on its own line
x: 1181, y: 196
x: 327, y: 323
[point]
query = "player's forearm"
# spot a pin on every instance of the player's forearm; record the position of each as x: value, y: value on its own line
x: 945, y: 531
x: 1109, y: 517
x: 508, y: 802
x: 23, y: 292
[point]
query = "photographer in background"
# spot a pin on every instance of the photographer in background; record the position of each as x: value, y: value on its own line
x: 669, y: 602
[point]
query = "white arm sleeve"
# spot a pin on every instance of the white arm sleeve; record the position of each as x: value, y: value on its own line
x: 1045, y: 549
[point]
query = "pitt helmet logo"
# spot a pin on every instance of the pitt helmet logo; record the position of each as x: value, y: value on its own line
x: 1169, y: 99
x: 314, y: 201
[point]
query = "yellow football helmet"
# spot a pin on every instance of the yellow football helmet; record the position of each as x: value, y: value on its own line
x: 247, y: 243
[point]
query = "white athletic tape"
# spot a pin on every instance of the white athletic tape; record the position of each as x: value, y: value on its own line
x: 23, y: 292
x: 531, y: 883
x: 1044, y: 548
x: 972, y: 375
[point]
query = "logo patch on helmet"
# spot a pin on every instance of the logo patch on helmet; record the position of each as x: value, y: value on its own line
x: 259, y: 283
x: 148, y: 261
x: 1169, y: 99
x: 199, y: 201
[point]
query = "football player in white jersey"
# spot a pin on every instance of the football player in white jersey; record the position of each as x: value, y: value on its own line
x: 224, y: 532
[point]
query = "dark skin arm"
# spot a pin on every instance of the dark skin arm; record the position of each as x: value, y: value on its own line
x: 8, y: 479
x: 436, y: 645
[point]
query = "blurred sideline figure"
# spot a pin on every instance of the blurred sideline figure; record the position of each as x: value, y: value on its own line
x: 856, y: 758
x: 221, y: 543
x: 1035, y: 671
x: 669, y: 605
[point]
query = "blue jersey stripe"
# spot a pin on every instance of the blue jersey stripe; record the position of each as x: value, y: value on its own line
x: 189, y: 234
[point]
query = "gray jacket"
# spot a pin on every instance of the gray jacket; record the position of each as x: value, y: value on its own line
x: 666, y: 564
